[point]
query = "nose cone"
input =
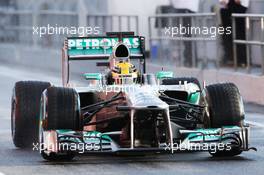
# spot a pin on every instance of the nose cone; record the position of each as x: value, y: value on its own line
x: 142, y: 98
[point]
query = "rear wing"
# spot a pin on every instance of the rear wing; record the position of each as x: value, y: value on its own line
x: 100, y: 48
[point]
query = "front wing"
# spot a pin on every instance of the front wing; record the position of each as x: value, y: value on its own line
x: 81, y: 142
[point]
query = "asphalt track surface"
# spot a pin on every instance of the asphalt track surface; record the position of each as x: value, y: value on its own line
x: 15, y: 161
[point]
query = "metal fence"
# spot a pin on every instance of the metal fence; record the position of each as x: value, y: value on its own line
x: 251, y: 40
x: 189, y: 49
x: 114, y: 22
x: 17, y: 26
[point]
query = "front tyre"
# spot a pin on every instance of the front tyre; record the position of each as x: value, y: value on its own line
x: 225, y: 108
x: 60, y: 111
x: 225, y: 105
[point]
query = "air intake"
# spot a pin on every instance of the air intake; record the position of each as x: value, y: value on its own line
x: 121, y: 50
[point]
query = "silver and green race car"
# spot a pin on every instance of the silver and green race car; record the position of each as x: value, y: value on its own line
x: 156, y: 113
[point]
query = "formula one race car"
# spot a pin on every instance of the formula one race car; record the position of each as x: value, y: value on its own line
x: 124, y: 109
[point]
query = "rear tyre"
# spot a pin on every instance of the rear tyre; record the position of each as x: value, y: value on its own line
x: 25, y: 111
x: 225, y: 108
x: 60, y: 110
